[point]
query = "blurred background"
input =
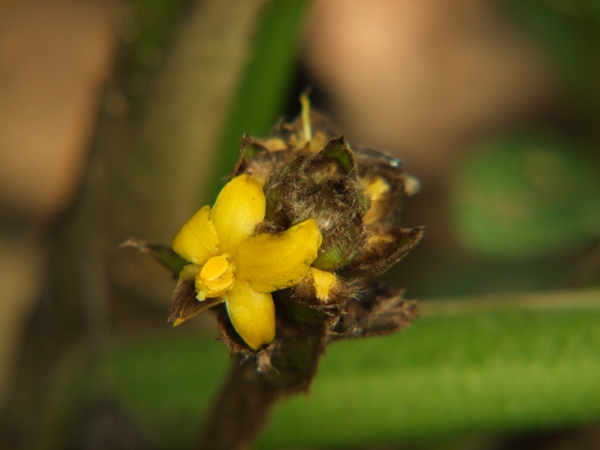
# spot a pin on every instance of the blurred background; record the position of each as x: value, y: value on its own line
x: 119, y: 118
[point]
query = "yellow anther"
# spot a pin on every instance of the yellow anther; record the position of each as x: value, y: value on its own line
x: 216, y: 276
x: 220, y: 286
x: 214, y: 268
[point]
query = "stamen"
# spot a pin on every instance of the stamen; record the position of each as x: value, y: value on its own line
x: 306, y: 126
x: 216, y: 277
x: 214, y: 268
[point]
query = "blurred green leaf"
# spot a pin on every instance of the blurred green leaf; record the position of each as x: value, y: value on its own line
x: 524, y: 196
x: 169, y: 383
x: 262, y: 92
x: 145, y: 28
x: 502, y: 363
x: 569, y: 31
x: 456, y: 370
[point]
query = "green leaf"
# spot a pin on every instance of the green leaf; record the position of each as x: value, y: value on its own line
x: 262, y: 92
x: 494, y: 364
x: 463, y: 367
x: 168, y: 383
x: 523, y: 196
x: 569, y: 32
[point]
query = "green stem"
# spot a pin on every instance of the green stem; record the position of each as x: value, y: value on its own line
x: 266, y: 80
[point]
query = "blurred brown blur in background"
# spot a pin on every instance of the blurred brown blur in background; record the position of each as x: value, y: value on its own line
x: 424, y: 80
x: 55, y: 57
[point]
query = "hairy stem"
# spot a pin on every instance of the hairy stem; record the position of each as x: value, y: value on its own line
x: 242, y: 408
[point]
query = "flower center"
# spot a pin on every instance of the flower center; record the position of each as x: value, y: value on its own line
x: 216, y: 277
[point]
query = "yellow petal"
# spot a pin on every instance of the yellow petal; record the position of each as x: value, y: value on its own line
x: 324, y: 283
x: 197, y: 241
x: 277, y: 261
x: 238, y: 209
x: 378, y: 191
x: 252, y: 314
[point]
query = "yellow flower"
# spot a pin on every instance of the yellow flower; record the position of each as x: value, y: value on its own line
x: 230, y: 262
